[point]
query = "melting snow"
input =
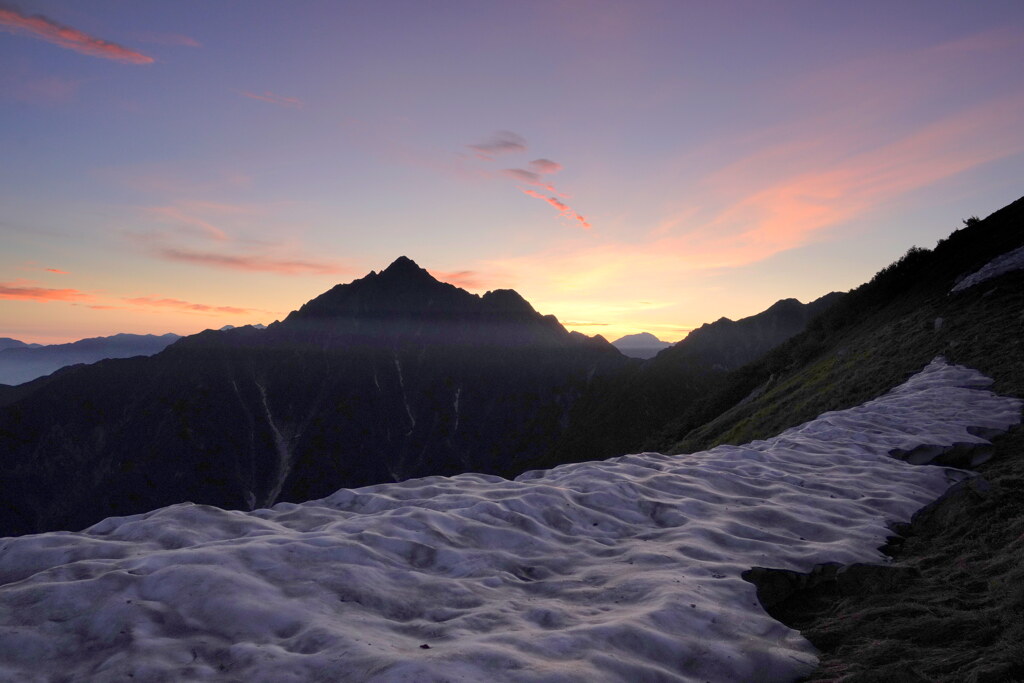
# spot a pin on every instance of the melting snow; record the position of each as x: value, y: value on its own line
x: 1011, y: 260
x: 601, y: 571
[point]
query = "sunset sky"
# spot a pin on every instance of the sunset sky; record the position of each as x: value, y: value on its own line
x: 627, y: 166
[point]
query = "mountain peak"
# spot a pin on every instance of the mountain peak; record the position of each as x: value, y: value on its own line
x: 402, y: 263
x: 404, y: 267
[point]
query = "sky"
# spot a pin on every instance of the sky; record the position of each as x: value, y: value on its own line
x: 641, y: 166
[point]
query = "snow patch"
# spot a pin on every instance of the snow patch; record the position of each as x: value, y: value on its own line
x: 1011, y: 260
x: 601, y: 571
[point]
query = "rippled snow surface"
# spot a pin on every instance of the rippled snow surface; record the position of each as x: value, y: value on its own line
x: 627, y: 569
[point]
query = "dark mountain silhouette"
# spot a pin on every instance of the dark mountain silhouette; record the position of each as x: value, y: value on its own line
x: 626, y: 411
x: 729, y: 344
x: 641, y: 345
x: 392, y: 376
x: 19, y: 364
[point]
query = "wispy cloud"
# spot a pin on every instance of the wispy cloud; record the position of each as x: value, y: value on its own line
x: 273, y: 99
x: 765, y: 215
x: 251, y: 262
x: 501, y: 142
x: 44, y: 28
x: 178, y: 304
x: 529, y: 177
x: 545, y: 166
x: 57, y: 270
x: 28, y: 292
x: 173, y: 39
x: 467, y: 279
x: 37, y: 89
x: 214, y: 234
x: 561, y: 206
x: 186, y: 221
x: 507, y: 142
x: 175, y: 180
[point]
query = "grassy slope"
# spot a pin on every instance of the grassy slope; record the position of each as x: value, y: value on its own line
x: 960, y: 617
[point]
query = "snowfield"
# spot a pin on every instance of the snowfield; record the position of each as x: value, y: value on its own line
x: 626, y: 569
x: 1007, y: 263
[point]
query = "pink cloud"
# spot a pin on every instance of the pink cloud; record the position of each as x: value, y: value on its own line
x: 273, y: 99
x: 166, y: 179
x: 45, y: 90
x: 185, y: 220
x: 504, y: 142
x: 528, y: 177
x: 174, y: 39
x: 501, y: 142
x: 545, y: 166
x: 562, y: 207
x: 44, y: 28
x: 21, y: 291
x: 251, y: 262
x: 57, y: 270
x: 767, y: 215
x: 467, y: 279
x: 154, y: 302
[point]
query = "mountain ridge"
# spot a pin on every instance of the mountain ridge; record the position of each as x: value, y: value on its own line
x: 355, y: 389
x: 20, y: 364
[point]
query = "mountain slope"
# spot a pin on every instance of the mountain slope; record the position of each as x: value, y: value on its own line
x: 20, y: 364
x: 391, y: 376
x: 950, y: 607
x: 873, y: 338
x: 726, y: 344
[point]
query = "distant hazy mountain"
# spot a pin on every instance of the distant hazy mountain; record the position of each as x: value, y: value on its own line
x: 395, y: 375
x: 8, y: 343
x: 641, y: 345
x: 26, y: 362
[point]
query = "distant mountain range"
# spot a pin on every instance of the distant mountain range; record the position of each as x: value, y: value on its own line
x: 377, y: 378
x: 8, y: 343
x: 641, y: 345
x: 392, y: 376
x: 20, y: 362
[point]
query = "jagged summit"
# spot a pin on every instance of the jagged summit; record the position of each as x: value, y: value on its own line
x: 403, y: 288
x: 404, y: 268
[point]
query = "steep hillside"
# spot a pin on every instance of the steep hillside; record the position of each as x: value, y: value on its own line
x: 950, y: 608
x: 873, y: 339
